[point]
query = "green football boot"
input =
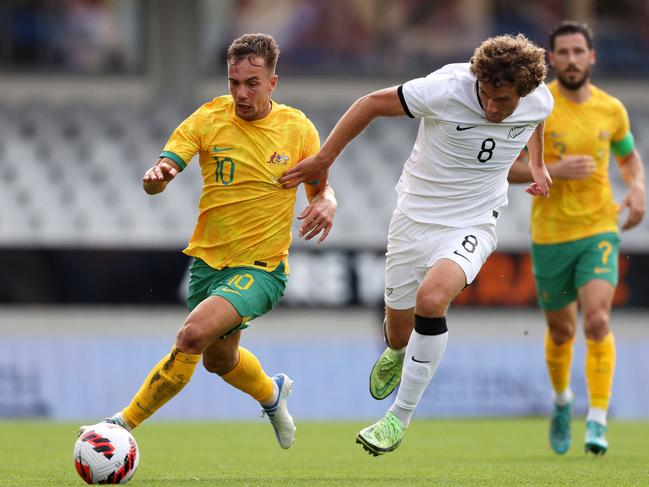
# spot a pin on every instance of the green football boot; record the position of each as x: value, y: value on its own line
x: 560, y: 438
x: 383, y: 436
x: 386, y: 373
x: 595, y: 441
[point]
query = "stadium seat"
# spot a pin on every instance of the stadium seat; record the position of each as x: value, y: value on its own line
x: 72, y: 174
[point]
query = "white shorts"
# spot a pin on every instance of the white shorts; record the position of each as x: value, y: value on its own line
x: 414, y: 247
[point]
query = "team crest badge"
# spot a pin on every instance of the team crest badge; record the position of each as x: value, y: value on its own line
x: 516, y: 131
x: 278, y: 158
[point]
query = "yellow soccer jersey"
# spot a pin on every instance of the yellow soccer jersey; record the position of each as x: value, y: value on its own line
x: 579, y: 208
x: 244, y: 214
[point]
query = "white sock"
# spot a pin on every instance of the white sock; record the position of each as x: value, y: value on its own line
x: 119, y: 419
x: 564, y: 397
x: 423, y: 355
x: 598, y: 415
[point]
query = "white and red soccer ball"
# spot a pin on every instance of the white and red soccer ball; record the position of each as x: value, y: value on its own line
x: 106, y: 454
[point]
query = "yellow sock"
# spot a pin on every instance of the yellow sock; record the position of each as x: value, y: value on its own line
x: 164, y: 381
x: 559, y: 360
x: 600, y: 366
x: 249, y: 377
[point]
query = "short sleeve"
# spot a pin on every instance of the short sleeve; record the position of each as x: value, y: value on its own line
x: 184, y: 142
x: 546, y: 101
x: 425, y: 97
x: 622, y: 124
x: 541, y: 104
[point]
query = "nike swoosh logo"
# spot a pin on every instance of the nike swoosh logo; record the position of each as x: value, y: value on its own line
x: 222, y: 149
x: 601, y: 270
x: 420, y: 361
x: 461, y: 127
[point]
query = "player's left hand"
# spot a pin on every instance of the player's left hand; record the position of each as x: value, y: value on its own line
x: 542, y: 181
x: 318, y: 217
x: 635, y: 202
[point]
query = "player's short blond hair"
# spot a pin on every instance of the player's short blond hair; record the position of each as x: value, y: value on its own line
x: 510, y: 60
x: 254, y: 45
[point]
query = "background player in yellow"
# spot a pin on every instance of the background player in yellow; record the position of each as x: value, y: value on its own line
x: 574, y: 231
x: 240, y: 244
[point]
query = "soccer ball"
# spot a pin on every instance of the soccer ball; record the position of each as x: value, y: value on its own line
x: 106, y: 454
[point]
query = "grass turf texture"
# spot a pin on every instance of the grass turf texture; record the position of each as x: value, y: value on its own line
x: 440, y: 452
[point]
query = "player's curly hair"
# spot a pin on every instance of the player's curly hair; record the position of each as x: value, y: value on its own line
x: 249, y: 46
x: 510, y: 60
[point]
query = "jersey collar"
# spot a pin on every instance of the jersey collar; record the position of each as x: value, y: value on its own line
x: 477, y: 94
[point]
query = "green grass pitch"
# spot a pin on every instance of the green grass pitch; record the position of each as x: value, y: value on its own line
x: 435, y: 452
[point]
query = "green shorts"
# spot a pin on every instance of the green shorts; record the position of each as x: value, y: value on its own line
x: 251, y: 291
x: 560, y: 269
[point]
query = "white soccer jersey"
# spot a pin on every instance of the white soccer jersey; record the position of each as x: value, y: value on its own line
x: 456, y: 174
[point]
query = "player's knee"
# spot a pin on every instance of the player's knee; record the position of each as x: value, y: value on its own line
x: 432, y: 303
x: 596, y: 324
x: 561, y: 329
x: 561, y: 334
x: 190, y: 338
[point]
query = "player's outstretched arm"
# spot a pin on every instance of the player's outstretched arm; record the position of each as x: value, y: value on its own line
x: 156, y: 178
x: 540, y: 175
x: 568, y: 167
x: 318, y: 216
x: 632, y: 173
x: 520, y: 172
x: 382, y: 103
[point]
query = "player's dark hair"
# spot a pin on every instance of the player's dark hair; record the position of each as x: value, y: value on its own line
x: 571, y: 27
x: 250, y: 46
x: 510, y: 60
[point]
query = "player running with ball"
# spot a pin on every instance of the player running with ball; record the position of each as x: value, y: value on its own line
x: 240, y: 244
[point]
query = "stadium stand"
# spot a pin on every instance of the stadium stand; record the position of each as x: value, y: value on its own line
x: 71, y: 176
x: 85, y: 111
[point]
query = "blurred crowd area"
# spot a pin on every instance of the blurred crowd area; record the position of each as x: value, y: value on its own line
x: 396, y: 37
x: 317, y: 37
x: 71, y: 36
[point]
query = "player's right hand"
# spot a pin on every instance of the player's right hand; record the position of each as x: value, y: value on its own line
x: 573, y: 167
x: 542, y: 181
x: 156, y: 178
